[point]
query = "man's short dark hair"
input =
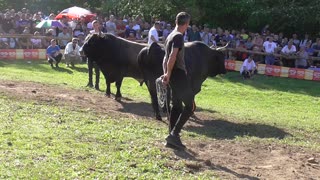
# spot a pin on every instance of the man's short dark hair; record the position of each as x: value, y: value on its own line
x: 182, y: 18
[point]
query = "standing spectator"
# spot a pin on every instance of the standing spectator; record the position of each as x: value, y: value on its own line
x: 53, y: 53
x: 130, y: 32
x: 316, y: 47
x: 194, y: 34
x: 295, y: 40
x: 72, y: 53
x: 8, y: 23
x: 65, y: 37
x: 206, y: 36
x: 269, y: 47
x: 90, y: 62
x: 175, y: 74
x: 121, y: 28
x: 111, y: 26
x: 304, y: 41
x: 153, y: 33
x: 23, y: 22
x: 265, y: 30
x: 248, y: 68
x: 244, y: 35
x: 166, y: 31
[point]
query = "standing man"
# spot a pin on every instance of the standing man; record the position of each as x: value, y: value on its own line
x: 91, y: 64
x: 175, y: 74
x: 153, y: 33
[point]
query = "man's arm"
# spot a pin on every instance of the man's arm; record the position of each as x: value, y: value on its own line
x: 170, y: 65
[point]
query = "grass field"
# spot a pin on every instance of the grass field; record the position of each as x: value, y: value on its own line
x: 47, y: 141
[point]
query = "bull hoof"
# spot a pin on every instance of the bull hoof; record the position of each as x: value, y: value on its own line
x: 158, y: 117
x: 107, y: 95
x: 118, y: 99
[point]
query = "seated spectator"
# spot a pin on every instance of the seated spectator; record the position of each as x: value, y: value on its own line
x: 72, y: 53
x: 4, y: 44
x: 287, y: 51
x: 110, y: 25
x: 248, y: 68
x: 13, y: 42
x: 77, y: 30
x: 244, y: 35
x: 65, y: 37
x: 302, y: 60
x: 46, y: 41
x: 36, y: 42
x: 53, y: 53
x: 24, y: 42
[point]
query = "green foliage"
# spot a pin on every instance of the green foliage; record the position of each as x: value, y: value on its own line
x: 282, y: 15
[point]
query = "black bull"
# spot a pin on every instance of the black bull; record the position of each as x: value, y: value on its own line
x: 118, y: 58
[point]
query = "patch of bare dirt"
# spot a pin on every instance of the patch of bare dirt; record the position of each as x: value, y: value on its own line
x: 228, y: 158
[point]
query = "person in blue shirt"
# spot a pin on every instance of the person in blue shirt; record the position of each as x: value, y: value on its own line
x: 53, y: 53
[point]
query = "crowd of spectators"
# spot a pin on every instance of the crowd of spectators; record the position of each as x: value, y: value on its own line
x: 295, y: 51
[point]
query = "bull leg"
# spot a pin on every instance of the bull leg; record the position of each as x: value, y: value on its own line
x: 118, y: 94
x: 154, y: 99
x: 108, y: 91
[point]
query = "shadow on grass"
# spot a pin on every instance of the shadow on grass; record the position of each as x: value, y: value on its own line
x: 80, y: 69
x: 262, y: 82
x: 42, y: 66
x: 222, y: 129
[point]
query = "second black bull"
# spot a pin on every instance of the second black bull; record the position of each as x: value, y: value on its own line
x: 120, y: 58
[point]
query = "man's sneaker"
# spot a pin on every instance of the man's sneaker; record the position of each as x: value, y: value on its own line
x: 175, y: 141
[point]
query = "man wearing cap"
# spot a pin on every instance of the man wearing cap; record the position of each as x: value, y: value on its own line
x: 153, y: 33
x: 72, y: 53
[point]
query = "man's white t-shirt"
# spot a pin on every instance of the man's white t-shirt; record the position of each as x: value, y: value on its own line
x: 269, y: 46
x: 153, y: 32
x: 248, y: 65
x: 286, y: 49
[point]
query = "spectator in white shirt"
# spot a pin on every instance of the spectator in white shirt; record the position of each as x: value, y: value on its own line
x: 153, y: 33
x: 72, y: 53
x: 248, y: 68
x: 269, y: 47
x: 288, y: 51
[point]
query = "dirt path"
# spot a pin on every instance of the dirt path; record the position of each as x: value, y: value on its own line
x: 228, y: 158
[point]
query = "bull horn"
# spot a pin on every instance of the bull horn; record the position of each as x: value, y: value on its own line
x: 101, y: 34
x: 221, y: 48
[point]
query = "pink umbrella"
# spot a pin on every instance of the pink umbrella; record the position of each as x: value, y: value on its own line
x: 75, y: 13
